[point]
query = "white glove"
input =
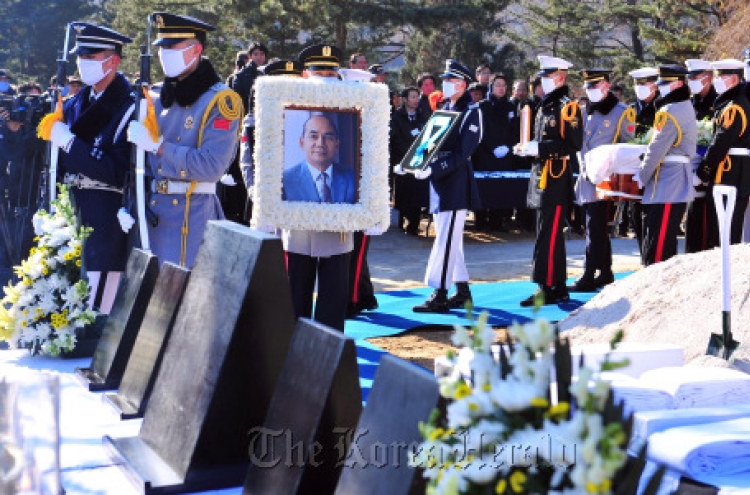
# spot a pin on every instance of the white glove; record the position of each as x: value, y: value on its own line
x: 423, y: 174
x: 696, y: 180
x: 530, y: 149
x: 228, y: 180
x: 500, y: 151
x: 61, y: 135
x: 399, y: 170
x: 139, y: 136
x: 376, y: 230
x: 126, y: 220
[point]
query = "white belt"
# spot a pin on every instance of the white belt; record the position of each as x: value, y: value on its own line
x: 738, y: 152
x: 677, y: 159
x: 84, y: 182
x: 181, y: 187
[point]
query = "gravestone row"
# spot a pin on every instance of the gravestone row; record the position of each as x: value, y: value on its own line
x: 233, y: 394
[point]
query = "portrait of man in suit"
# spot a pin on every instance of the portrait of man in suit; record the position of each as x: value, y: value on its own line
x: 319, y: 178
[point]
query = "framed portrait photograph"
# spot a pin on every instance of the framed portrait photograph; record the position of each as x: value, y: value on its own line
x: 430, y: 140
x: 321, y: 155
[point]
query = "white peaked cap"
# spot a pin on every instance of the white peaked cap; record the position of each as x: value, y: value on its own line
x: 644, y: 72
x: 697, y: 65
x: 548, y: 63
x: 357, y: 75
x: 728, y: 63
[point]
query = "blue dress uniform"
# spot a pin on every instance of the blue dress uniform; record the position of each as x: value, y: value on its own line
x: 97, y: 162
x: 727, y: 159
x: 609, y: 122
x: 453, y: 191
x: 199, y: 119
x: 666, y: 170
x: 558, y: 130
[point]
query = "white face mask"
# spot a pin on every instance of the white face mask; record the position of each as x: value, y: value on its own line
x: 642, y: 91
x: 664, y: 90
x: 696, y: 86
x: 91, y: 70
x: 719, y: 85
x: 172, y: 61
x: 449, y: 89
x: 548, y: 85
x: 595, y: 94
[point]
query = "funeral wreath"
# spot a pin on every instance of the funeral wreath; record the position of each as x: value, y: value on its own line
x: 505, y: 430
x: 44, y: 310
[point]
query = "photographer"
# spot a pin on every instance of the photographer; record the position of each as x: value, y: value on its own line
x: 21, y: 163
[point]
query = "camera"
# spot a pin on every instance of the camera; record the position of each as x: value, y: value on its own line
x: 28, y: 109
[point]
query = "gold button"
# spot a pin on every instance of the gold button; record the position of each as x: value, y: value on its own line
x: 588, y: 132
x: 179, y: 138
x: 153, y: 202
x: 183, y: 174
x: 175, y: 202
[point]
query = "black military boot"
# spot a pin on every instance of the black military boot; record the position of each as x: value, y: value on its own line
x: 605, y: 277
x: 585, y: 283
x: 436, y: 303
x: 461, y: 296
x: 543, y: 292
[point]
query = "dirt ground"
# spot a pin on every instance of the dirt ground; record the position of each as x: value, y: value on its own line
x: 398, y: 262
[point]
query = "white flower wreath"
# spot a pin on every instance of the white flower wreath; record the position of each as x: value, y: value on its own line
x: 370, y: 101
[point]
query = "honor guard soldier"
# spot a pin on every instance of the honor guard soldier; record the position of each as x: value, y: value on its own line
x: 697, y: 220
x: 316, y: 255
x: 199, y: 121
x: 609, y: 122
x: 666, y: 172
x: 646, y: 92
x: 453, y: 191
x: 558, y: 134
x: 95, y: 154
x: 728, y: 157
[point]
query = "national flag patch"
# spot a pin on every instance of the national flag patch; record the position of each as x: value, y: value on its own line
x: 631, y: 128
x: 222, y: 124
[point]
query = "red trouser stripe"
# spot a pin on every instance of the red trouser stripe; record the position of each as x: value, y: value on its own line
x: 551, y: 258
x: 358, y: 271
x: 662, y: 232
x: 286, y: 261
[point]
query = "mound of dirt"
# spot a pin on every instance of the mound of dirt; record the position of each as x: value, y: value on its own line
x: 677, y: 302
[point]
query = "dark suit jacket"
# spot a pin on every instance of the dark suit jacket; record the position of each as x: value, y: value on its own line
x: 298, y: 184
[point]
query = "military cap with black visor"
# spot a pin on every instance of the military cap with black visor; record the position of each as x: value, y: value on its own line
x: 283, y: 68
x: 173, y: 28
x: 91, y: 39
x: 671, y: 73
x: 592, y: 77
x: 321, y: 57
x: 457, y: 70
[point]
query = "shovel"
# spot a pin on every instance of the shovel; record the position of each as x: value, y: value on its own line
x: 723, y: 345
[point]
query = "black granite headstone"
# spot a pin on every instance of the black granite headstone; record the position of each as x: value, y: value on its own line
x: 219, y: 369
x: 302, y: 444
x: 402, y: 395
x: 120, y: 331
x: 139, y: 376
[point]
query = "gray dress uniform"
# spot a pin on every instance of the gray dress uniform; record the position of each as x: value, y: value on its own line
x: 609, y: 122
x: 200, y: 142
x: 667, y: 174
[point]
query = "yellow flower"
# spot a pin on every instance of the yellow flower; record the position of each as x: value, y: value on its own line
x: 591, y: 487
x: 486, y: 387
x: 436, y: 434
x: 462, y: 391
x: 501, y: 486
x: 517, y: 480
x: 68, y: 256
x: 539, y: 402
x: 45, y: 271
x: 78, y: 263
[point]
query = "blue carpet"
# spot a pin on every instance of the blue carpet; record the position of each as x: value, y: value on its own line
x: 394, y: 316
x: 500, y: 299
